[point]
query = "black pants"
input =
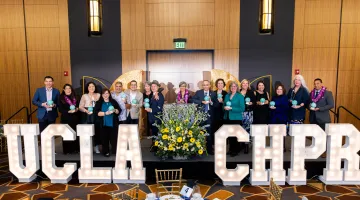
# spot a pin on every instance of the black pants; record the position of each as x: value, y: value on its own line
x: 154, y: 129
x: 71, y: 146
x: 109, y: 135
x: 234, y: 145
x: 45, y: 122
x: 132, y: 121
x: 314, y: 121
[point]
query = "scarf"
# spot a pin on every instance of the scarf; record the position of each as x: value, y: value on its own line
x: 186, y: 96
x: 70, y: 102
x: 319, y: 96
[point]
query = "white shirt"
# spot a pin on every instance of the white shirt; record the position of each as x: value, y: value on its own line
x: 118, y: 99
x: 49, y: 97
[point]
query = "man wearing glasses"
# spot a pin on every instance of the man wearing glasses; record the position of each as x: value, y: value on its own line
x: 134, y: 102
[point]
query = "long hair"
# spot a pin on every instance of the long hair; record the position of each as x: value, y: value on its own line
x: 302, y: 80
x: 72, y: 95
x: 249, y: 86
x: 87, y: 87
x: 257, y: 85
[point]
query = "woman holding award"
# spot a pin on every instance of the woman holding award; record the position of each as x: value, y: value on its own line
x: 155, y: 107
x: 234, y: 107
x: 279, y: 106
x: 68, y: 108
x: 298, y: 97
x: 219, y: 112
x: 245, y: 91
x: 108, y: 110
x: 261, y: 109
x: 87, y: 104
x: 184, y: 94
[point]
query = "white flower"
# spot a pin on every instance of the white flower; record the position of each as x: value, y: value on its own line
x: 165, y: 149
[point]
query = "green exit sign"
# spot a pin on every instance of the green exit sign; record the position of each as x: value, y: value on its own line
x: 180, y: 43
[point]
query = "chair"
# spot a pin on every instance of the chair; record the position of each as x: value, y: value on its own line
x: 168, y: 181
x: 275, y: 191
x: 132, y: 194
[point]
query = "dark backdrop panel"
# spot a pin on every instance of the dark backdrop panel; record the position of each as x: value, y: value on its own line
x: 95, y: 56
x: 267, y: 54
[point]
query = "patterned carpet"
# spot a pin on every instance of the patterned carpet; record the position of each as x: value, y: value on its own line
x: 10, y: 189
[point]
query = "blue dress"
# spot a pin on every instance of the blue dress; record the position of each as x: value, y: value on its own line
x: 280, y: 115
x: 297, y: 116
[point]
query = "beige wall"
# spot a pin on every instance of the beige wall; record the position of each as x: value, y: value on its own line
x: 48, y: 49
x: 316, y: 48
x: 207, y: 24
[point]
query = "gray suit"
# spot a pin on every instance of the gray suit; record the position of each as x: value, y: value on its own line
x: 322, y: 116
x: 135, y: 110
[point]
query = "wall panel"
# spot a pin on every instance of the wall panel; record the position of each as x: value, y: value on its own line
x: 196, y: 14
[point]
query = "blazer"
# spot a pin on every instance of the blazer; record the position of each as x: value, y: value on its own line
x: 134, y: 110
x: 302, y: 96
x: 237, y: 105
x: 40, y: 97
x: 326, y: 103
x: 98, y: 106
x: 219, y: 111
x: 156, y: 108
x: 199, y: 97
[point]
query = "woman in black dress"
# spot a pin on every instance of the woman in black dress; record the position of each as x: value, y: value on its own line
x: 68, y: 107
x: 219, y: 112
x: 261, y: 109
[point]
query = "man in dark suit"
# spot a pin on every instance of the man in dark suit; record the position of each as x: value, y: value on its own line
x: 324, y: 100
x: 207, y: 106
x: 45, y: 99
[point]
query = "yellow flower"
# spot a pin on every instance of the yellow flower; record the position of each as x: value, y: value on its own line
x: 162, y: 130
x: 198, y: 144
x: 190, y: 132
x: 177, y: 129
x: 202, y: 132
x: 200, y: 151
x: 192, y: 140
x: 170, y: 145
x: 171, y: 148
x: 186, y: 145
x: 156, y: 143
x: 166, y: 130
x: 164, y: 137
x: 179, y: 139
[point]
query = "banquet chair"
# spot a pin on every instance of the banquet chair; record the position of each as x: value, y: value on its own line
x: 131, y: 194
x: 168, y: 181
x: 275, y: 191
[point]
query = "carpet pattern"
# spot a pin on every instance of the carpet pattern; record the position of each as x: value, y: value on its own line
x: 11, y: 189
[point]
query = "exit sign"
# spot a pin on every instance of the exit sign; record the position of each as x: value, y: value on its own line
x: 180, y: 43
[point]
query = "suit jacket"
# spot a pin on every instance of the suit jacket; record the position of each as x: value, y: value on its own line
x: 40, y: 97
x: 134, y: 110
x: 199, y: 97
x: 302, y: 96
x: 326, y: 103
x: 219, y: 111
x: 156, y: 107
x: 237, y: 107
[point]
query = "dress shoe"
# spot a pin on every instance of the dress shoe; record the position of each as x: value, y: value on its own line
x: 107, y: 155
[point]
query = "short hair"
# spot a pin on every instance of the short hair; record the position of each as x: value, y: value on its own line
x: 133, y: 81
x: 206, y: 80
x: 87, y: 87
x: 147, y: 83
x: 155, y: 82
x: 217, y: 81
x: 118, y: 82
x: 318, y: 79
x: 233, y: 83
x: 48, y: 77
x: 182, y: 83
x: 282, y: 86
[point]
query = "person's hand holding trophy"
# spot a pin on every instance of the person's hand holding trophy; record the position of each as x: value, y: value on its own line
x: 228, y: 106
x: 272, y: 105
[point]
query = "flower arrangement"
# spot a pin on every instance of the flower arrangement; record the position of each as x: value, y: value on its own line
x: 181, y: 132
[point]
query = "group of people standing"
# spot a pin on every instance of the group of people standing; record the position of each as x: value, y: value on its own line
x: 239, y: 105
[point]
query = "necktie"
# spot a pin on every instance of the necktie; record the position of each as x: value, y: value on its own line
x: 316, y: 93
x: 207, y: 105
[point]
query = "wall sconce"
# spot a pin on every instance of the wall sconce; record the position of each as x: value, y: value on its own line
x: 95, y: 17
x: 266, y: 17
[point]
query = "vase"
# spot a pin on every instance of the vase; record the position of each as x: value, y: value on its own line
x: 178, y: 157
